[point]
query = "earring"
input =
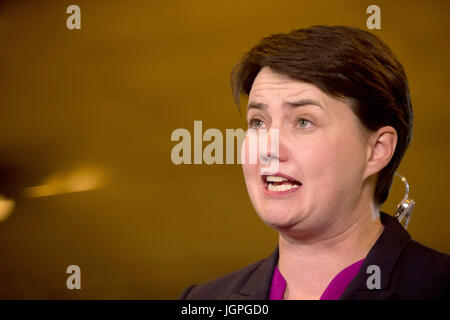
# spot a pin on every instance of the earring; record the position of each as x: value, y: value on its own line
x: 406, y: 206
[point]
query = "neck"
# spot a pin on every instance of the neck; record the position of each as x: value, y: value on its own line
x: 309, y: 266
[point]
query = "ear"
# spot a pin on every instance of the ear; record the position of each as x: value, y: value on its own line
x: 380, y: 149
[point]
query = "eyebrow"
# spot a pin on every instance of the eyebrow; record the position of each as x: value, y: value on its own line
x: 292, y: 104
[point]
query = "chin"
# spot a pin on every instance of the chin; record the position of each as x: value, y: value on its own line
x: 278, y: 218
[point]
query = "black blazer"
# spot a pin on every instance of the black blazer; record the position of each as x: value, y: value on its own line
x: 408, y: 269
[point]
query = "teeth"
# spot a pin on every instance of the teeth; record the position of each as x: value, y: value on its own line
x: 282, y: 187
x: 275, y: 179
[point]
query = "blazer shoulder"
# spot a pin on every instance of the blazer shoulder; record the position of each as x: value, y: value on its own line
x: 422, y: 272
x: 436, y: 262
x: 220, y: 288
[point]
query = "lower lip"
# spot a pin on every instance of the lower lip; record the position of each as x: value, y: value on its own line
x: 280, y: 193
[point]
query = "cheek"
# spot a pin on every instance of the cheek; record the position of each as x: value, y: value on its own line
x: 313, y: 156
x: 350, y: 154
x: 345, y: 164
x: 329, y: 162
x: 249, y: 170
x: 251, y: 182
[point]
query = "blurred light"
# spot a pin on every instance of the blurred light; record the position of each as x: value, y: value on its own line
x: 6, y: 208
x: 82, y: 179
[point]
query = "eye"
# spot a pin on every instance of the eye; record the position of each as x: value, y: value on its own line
x: 303, y: 123
x: 255, y: 123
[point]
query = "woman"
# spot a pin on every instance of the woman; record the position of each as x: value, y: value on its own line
x: 339, y: 101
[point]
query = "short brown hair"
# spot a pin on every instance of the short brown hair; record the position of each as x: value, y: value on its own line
x: 346, y: 63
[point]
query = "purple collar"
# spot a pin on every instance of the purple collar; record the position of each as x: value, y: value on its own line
x: 334, y: 290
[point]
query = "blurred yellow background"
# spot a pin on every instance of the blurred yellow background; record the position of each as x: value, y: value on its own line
x: 85, y: 123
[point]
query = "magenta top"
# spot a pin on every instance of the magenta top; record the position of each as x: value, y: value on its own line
x: 334, y: 290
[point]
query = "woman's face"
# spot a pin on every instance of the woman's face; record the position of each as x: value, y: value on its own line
x: 321, y: 146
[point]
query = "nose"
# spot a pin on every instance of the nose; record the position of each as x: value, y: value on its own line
x: 272, y: 147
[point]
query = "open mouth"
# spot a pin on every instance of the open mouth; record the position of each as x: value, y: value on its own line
x: 279, y: 183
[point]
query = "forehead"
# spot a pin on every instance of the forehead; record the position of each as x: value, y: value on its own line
x: 269, y: 84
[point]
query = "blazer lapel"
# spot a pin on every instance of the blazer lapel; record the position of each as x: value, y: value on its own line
x: 258, y: 284
x: 384, y: 254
